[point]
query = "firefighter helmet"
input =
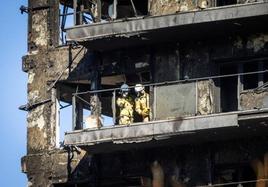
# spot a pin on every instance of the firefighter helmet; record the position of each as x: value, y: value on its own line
x: 139, y: 87
x: 124, y: 88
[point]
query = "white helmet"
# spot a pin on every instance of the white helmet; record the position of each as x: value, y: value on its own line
x: 139, y: 87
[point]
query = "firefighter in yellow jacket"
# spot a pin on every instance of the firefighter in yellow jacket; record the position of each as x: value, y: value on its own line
x: 125, y: 104
x: 142, y: 102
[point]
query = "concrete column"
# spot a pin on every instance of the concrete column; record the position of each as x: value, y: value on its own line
x: 43, y: 29
x: 43, y: 24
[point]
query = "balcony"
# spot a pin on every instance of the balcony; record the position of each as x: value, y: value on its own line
x: 183, y: 111
x: 180, y: 26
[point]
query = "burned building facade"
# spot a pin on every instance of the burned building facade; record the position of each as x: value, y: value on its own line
x: 204, y: 64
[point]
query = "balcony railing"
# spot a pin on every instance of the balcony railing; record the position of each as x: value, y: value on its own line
x: 181, y: 98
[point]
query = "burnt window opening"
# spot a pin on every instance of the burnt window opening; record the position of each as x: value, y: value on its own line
x: 125, y: 8
x: 228, y: 101
x: 108, y: 9
x: 117, y: 9
x: 233, y: 172
x: 250, y: 81
x: 145, y: 77
x: 250, y: 77
x: 257, y: 79
x: 226, y: 2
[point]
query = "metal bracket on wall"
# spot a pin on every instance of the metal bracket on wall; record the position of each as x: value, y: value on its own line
x: 25, y: 9
x: 30, y: 106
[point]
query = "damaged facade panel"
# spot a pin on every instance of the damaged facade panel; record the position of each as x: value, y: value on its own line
x: 253, y: 100
x: 207, y: 93
x: 179, y: 101
x: 164, y: 7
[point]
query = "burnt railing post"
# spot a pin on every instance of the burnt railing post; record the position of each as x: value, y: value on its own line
x: 114, y: 107
x: 74, y: 116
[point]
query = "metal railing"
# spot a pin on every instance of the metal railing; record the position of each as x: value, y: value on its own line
x: 112, y: 93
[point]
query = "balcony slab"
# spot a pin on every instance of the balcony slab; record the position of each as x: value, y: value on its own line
x: 193, y: 24
x: 154, y: 130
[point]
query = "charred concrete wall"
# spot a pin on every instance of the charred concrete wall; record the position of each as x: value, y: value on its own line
x: 43, y: 30
x: 38, y: 119
x: 57, y: 166
x: 43, y: 69
x: 43, y: 164
x: 167, y: 66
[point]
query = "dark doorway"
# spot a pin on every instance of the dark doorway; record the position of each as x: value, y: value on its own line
x: 226, y: 2
x: 125, y: 8
x: 229, y: 100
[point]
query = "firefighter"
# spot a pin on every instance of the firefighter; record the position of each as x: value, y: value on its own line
x: 142, y: 102
x: 125, y: 104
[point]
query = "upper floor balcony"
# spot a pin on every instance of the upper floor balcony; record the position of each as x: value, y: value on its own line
x: 216, y: 19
